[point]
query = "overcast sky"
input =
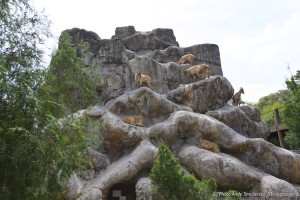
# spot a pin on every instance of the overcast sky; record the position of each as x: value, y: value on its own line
x: 257, y: 39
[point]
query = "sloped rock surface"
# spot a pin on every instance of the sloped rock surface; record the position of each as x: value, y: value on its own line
x: 231, y: 173
x: 274, y: 188
x: 126, y: 168
x: 141, y: 101
x: 242, y: 119
x: 243, y: 164
x: 180, y: 112
x: 98, y: 159
x: 156, y: 39
x: 201, y: 98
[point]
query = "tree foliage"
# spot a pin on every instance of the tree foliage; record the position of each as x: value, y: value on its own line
x: 77, y: 83
x: 292, y: 112
x: 267, y: 106
x: 269, y: 103
x: 170, y: 181
x: 277, y: 97
x: 37, y: 151
x: 268, y: 113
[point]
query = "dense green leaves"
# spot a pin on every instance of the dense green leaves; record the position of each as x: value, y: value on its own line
x: 37, y: 151
x: 292, y: 112
x: 268, y: 113
x: 268, y: 104
x: 278, y: 97
x: 288, y: 103
x: 69, y: 81
x: 170, y: 181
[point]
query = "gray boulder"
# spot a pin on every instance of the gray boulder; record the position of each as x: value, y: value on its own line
x: 243, y: 119
x: 124, y: 32
x: 155, y: 39
x: 204, y: 54
x: 143, y: 189
x: 231, y: 173
x: 199, y: 95
x: 126, y: 168
x: 98, y: 159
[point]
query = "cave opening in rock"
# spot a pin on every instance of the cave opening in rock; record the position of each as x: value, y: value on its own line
x: 122, y: 191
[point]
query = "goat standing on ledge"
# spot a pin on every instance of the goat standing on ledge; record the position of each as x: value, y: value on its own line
x: 196, y: 70
x: 237, y: 97
x: 141, y: 78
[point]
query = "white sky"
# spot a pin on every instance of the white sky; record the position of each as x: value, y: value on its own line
x: 257, y: 38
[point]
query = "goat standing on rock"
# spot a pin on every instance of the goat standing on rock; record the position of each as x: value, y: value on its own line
x: 141, y: 78
x: 237, y: 97
x: 197, y: 70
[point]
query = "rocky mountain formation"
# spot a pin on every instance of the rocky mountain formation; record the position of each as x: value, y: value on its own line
x: 179, y: 111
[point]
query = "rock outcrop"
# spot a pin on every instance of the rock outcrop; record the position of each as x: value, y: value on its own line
x: 242, y: 119
x: 154, y: 53
x: 178, y: 111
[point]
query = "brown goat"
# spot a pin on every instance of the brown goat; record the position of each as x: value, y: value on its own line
x: 197, y: 70
x: 236, y: 98
x: 141, y: 78
x: 134, y: 120
x: 188, y: 58
x: 208, y: 145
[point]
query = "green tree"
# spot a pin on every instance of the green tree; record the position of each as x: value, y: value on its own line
x: 77, y: 83
x: 277, y: 97
x: 268, y: 113
x: 37, y: 151
x: 268, y: 104
x: 292, y: 112
x: 170, y: 181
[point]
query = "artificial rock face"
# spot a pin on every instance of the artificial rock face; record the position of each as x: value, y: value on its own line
x: 180, y: 112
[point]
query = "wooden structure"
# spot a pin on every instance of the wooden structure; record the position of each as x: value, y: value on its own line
x: 278, y: 129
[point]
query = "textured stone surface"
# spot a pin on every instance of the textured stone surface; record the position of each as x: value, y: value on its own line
x: 74, y: 185
x: 98, y: 159
x: 251, y: 112
x: 122, y: 170
x: 229, y: 172
x: 124, y: 32
x: 143, y: 189
x: 274, y: 188
x: 202, y: 98
x: 156, y: 39
x: 243, y: 119
x: 204, y: 54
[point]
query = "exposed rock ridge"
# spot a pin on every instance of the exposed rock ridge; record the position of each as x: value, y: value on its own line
x: 154, y: 53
